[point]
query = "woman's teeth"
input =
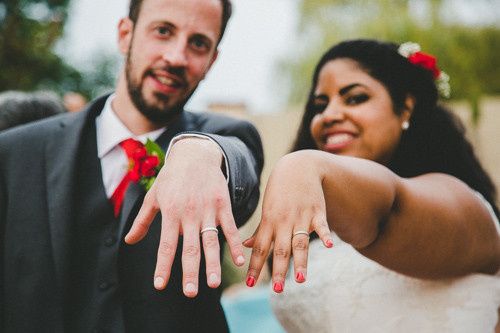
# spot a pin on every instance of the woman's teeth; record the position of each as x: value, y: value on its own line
x: 338, y: 138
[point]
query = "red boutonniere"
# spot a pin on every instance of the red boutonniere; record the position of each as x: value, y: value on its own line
x: 145, y: 161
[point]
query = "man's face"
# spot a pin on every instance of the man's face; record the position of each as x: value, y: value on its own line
x: 169, y: 51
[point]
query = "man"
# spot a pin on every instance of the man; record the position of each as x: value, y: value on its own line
x: 63, y: 264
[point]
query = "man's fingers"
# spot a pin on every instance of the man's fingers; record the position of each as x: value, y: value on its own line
x: 190, y: 259
x: 144, y: 218
x: 233, y: 239
x: 211, y: 249
x: 166, y: 254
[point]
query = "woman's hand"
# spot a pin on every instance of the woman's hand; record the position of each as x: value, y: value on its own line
x: 293, y: 207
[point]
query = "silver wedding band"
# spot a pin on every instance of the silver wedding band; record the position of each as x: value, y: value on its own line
x: 300, y: 232
x: 209, y: 229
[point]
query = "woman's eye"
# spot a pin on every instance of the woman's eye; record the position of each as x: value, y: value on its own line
x: 318, y: 108
x: 356, y: 99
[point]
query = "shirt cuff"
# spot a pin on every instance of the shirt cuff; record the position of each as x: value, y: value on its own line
x: 200, y: 136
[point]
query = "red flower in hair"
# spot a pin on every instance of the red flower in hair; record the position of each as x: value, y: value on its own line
x: 426, y: 61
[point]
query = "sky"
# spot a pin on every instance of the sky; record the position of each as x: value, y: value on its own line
x: 257, y: 36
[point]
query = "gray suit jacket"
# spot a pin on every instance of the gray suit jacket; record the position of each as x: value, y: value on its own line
x: 37, y: 167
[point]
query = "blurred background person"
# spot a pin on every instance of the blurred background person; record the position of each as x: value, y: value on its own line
x: 17, y: 107
x: 74, y: 101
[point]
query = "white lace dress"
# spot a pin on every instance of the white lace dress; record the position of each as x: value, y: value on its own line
x: 346, y: 292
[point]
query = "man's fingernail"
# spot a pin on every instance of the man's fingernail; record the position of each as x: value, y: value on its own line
x: 240, y: 260
x: 213, y: 278
x: 300, y: 277
x: 329, y: 243
x: 190, y: 288
x: 250, y: 281
x: 159, y: 282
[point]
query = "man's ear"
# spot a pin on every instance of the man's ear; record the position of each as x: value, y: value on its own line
x: 125, y: 32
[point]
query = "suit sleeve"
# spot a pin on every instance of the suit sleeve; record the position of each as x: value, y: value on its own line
x: 2, y: 242
x: 245, y: 159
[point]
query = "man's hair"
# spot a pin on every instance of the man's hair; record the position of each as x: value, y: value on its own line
x: 135, y: 9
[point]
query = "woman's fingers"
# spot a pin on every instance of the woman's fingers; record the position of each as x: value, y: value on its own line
x: 320, y: 226
x: 300, y: 248
x: 260, y: 249
x: 281, y: 258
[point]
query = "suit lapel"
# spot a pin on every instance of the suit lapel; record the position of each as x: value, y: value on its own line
x: 135, y: 191
x: 61, y: 158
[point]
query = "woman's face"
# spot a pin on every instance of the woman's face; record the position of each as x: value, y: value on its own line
x: 355, y: 114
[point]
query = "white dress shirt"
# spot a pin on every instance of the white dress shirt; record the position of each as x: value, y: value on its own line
x: 110, y: 132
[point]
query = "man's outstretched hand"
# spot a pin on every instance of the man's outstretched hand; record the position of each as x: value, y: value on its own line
x: 191, y: 193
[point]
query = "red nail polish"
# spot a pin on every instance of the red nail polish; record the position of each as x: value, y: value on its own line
x: 250, y: 281
x: 278, y: 287
x: 329, y: 243
x: 300, y: 277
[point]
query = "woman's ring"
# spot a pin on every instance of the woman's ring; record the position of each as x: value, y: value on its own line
x: 209, y: 229
x: 300, y: 232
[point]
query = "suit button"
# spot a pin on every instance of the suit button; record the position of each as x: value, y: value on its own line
x: 110, y: 241
x: 105, y: 285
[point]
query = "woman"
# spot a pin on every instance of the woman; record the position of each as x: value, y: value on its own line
x: 412, y: 213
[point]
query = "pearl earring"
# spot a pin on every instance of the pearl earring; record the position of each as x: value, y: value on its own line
x: 405, y: 125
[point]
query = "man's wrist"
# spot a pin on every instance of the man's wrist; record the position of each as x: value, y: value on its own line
x: 208, y: 149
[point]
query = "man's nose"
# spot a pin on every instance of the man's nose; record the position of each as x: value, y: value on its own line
x: 175, y: 53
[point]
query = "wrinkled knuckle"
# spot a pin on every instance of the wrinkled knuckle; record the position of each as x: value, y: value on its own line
x: 258, y: 251
x: 300, y: 244
x: 211, y: 241
x: 142, y: 226
x: 191, y: 275
x: 282, y: 252
x: 192, y: 251
x: 233, y: 243
x: 166, y: 249
x: 232, y: 236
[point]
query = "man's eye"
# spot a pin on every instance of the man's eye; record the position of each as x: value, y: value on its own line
x: 199, y: 44
x: 356, y: 99
x: 163, y: 31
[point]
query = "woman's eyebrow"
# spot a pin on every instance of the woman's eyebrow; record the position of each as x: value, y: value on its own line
x: 346, y: 89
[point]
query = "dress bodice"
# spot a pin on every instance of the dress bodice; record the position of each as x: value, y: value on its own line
x: 347, y: 292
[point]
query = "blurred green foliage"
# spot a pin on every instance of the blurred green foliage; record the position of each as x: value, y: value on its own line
x: 29, y: 32
x: 467, y: 52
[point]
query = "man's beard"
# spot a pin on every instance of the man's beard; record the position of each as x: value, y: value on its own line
x: 154, y: 112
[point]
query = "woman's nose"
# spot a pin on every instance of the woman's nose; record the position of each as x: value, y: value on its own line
x: 332, y: 114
